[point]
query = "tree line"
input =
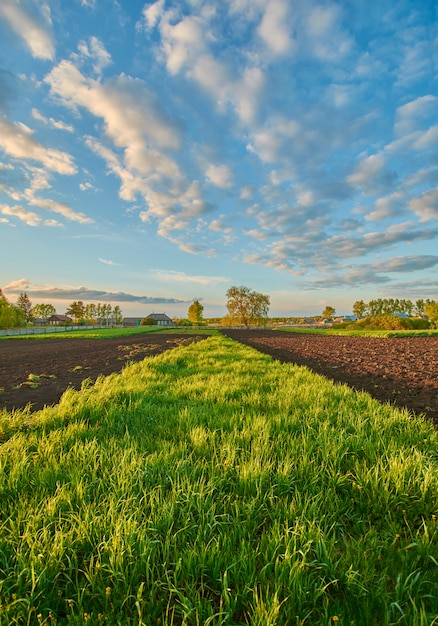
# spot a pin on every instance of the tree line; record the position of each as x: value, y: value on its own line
x: 23, y: 313
x: 394, y: 306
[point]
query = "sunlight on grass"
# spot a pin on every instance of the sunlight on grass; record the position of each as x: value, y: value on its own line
x: 213, y: 485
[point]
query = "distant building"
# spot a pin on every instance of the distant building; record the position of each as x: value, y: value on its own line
x: 59, y: 320
x: 132, y: 321
x: 161, y: 319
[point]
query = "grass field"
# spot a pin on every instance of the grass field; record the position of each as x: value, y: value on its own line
x: 107, y: 333
x: 213, y: 485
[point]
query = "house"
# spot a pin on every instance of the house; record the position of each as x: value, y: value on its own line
x: 59, y: 320
x: 132, y: 321
x: 160, y: 319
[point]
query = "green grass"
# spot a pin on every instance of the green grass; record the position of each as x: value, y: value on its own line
x: 109, y: 333
x: 213, y: 485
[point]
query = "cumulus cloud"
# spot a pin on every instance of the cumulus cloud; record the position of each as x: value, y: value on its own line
x: 96, y: 52
x: 32, y: 24
x: 28, y: 217
x: 372, y: 175
x: 426, y: 205
x: 273, y: 28
x: 17, y: 141
x: 410, y: 115
x: 219, y: 175
x: 82, y: 293
x: 152, y: 13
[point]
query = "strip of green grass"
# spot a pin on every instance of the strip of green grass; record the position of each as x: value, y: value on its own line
x: 110, y: 333
x: 213, y: 485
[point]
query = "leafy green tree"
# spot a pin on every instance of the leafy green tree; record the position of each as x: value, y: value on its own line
x: 10, y: 316
x: 90, y: 313
x: 24, y: 303
x: 419, y: 307
x: 195, y: 312
x: 76, y: 310
x: 431, y: 310
x: 43, y: 311
x: 359, y: 309
x: 117, y: 314
x: 328, y: 312
x: 247, y: 307
x: 148, y: 321
x: 103, y: 312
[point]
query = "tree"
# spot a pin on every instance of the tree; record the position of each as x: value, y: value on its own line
x: 148, y: 321
x: 117, y: 314
x: 431, y: 310
x: 24, y: 303
x: 419, y: 307
x: 359, y: 309
x: 195, y: 312
x: 10, y: 316
x: 76, y: 310
x: 246, y: 306
x: 44, y: 311
x: 103, y: 312
x: 90, y: 313
x: 328, y: 312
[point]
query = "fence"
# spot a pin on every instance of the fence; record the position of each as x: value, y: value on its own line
x: 11, y: 332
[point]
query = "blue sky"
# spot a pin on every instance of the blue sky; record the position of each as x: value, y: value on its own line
x: 155, y: 153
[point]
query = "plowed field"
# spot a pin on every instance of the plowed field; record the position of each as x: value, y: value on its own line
x: 399, y: 370
x: 402, y: 371
x: 38, y: 371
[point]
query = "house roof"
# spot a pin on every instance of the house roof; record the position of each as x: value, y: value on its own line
x: 159, y: 317
x: 59, y: 318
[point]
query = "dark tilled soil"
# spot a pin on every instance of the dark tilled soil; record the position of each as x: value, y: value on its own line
x: 63, y: 363
x: 399, y: 370
x: 402, y: 371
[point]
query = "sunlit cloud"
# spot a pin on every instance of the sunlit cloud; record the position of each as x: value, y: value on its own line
x: 82, y: 293
x: 33, y: 27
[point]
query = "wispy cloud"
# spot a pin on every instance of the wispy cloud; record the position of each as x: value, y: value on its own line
x: 33, y: 26
x: 58, y: 124
x: 82, y: 293
x: 17, y: 141
x: 108, y: 262
x: 183, y: 278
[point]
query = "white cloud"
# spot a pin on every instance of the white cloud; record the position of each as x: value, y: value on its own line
x: 34, y: 27
x: 96, y: 51
x: 82, y: 293
x: 17, y: 141
x: 108, y: 262
x: 326, y: 38
x: 152, y: 13
x: 132, y: 115
x: 372, y: 175
x: 426, y: 205
x: 28, y: 217
x: 58, y: 207
x: 409, y: 115
x: 182, y: 277
x: 274, y: 29
x: 57, y: 124
x: 219, y: 175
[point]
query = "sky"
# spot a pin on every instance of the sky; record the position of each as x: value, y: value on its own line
x: 153, y: 153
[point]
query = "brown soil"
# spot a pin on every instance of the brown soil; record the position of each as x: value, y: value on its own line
x: 38, y: 371
x: 399, y: 370
x: 402, y: 370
